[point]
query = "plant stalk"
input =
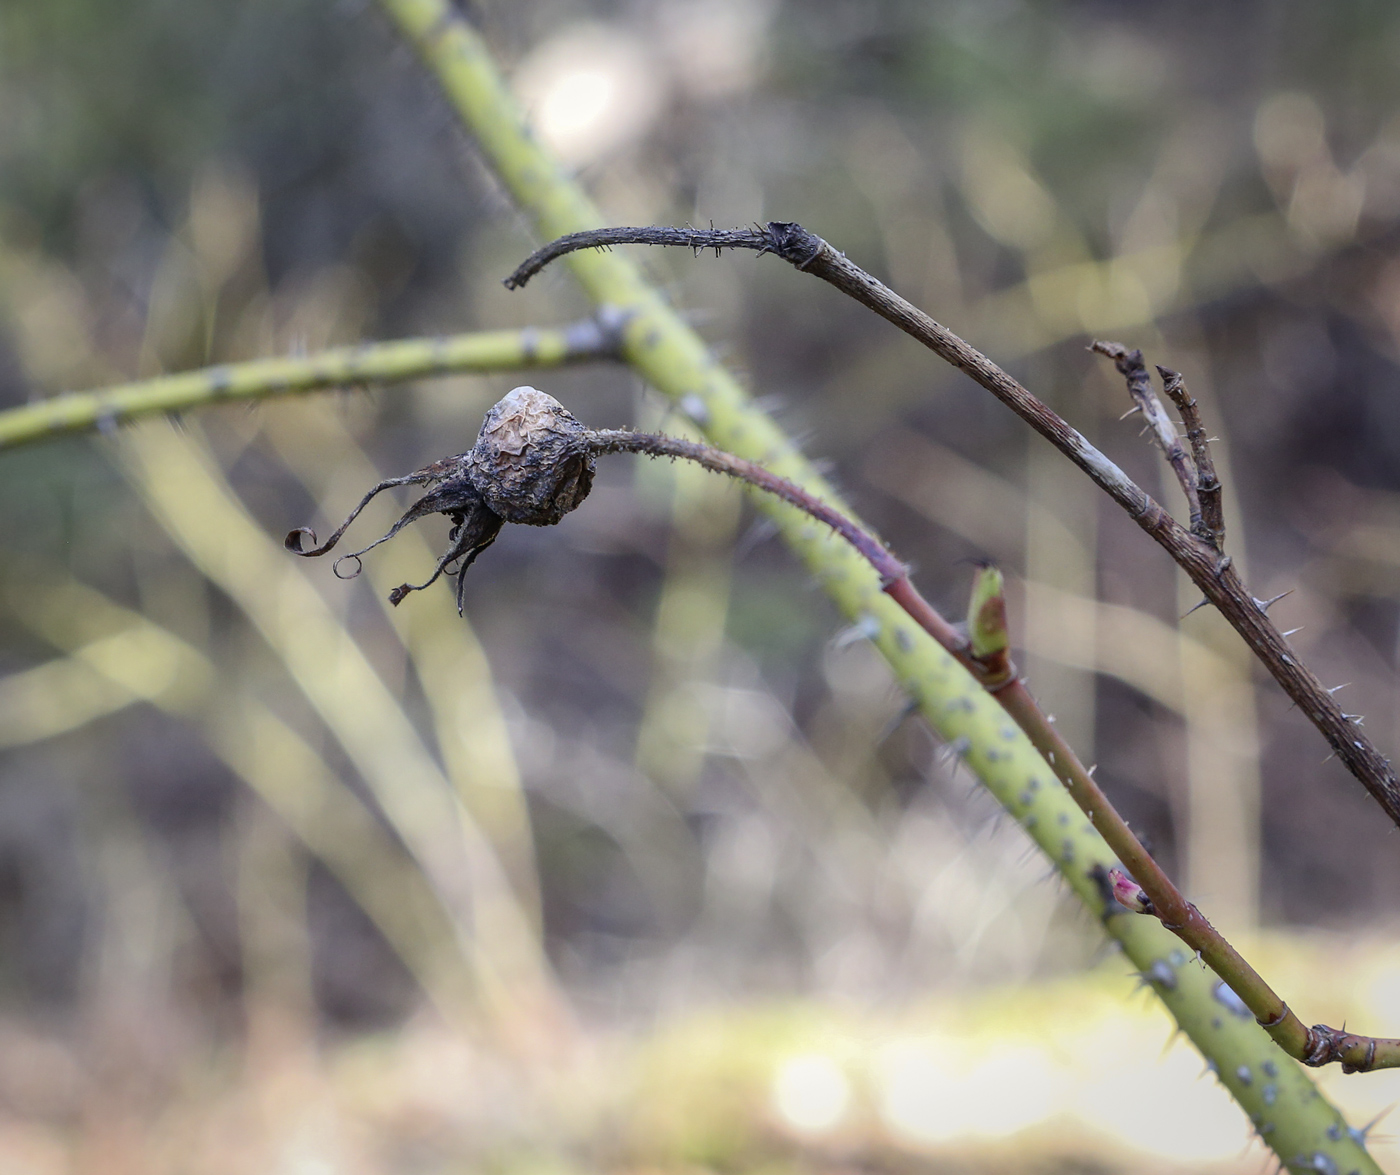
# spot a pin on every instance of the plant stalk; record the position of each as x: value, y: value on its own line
x: 368, y: 363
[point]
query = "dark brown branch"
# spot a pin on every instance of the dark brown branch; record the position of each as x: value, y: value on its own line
x: 1132, y: 368
x: 1208, y: 569
x: 601, y: 238
x: 1208, y: 484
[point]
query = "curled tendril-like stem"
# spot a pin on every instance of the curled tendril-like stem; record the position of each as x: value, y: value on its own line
x: 293, y: 541
x: 471, y: 534
x: 475, y: 525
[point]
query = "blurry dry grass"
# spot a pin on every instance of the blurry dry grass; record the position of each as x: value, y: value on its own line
x: 583, y: 868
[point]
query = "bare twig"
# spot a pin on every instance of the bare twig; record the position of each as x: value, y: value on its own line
x: 1131, y: 366
x: 1207, y: 483
x: 1208, y: 569
x: 602, y: 238
x: 718, y: 461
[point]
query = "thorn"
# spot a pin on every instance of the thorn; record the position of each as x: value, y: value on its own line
x: 1291, y: 631
x: 1089, y: 771
x: 1265, y: 605
x: 956, y: 749
x: 1197, y: 607
x: 1335, y: 688
x: 1329, y: 758
x: 1359, y: 719
x: 907, y: 711
x: 1131, y: 411
x: 1371, y: 1125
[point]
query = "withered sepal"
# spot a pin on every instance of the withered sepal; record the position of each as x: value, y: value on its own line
x: 530, y: 464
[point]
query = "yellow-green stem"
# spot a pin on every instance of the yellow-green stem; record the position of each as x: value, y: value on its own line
x: 366, y: 363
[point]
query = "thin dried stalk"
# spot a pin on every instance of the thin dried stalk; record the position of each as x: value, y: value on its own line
x: 188, y: 496
x: 140, y: 659
x: 1207, y: 482
x: 315, y: 443
x: 1132, y: 368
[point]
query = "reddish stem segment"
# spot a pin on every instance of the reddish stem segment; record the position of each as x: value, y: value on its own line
x: 717, y: 460
x: 1318, y: 1045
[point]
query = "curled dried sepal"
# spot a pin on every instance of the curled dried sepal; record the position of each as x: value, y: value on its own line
x: 530, y: 464
x: 474, y: 528
x: 293, y: 541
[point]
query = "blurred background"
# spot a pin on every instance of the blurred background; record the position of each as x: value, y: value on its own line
x: 641, y: 867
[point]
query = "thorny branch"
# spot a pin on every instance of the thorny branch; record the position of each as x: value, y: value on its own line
x: 1132, y: 368
x: 718, y: 461
x: 533, y: 463
x: 1207, y: 483
x: 1200, y: 559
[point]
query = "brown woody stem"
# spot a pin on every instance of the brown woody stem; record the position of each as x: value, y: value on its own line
x: 1211, y: 572
x: 1212, y: 506
x: 1132, y: 368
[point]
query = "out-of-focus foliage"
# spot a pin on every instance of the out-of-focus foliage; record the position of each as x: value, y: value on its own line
x: 232, y: 840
